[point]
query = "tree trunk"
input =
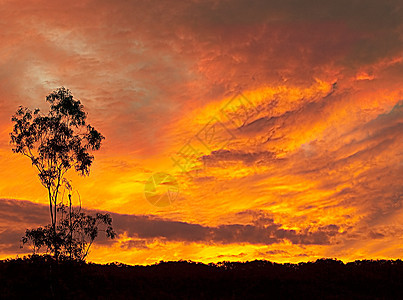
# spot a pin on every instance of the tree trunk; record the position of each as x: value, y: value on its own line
x: 70, y: 227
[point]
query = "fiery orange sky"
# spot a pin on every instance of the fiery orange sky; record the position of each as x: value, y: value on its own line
x: 287, y: 114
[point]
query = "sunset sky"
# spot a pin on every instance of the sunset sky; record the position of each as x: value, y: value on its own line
x: 285, y: 119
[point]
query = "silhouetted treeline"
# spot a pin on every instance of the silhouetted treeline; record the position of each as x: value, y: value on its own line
x: 42, y: 278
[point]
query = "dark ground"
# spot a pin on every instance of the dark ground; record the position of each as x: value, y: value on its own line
x: 40, y: 278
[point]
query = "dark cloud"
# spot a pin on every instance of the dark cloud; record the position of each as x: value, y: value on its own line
x: 240, y: 255
x: 141, y: 228
x: 22, y: 212
x: 15, y: 217
x: 248, y: 158
x: 10, y: 240
x: 134, y: 244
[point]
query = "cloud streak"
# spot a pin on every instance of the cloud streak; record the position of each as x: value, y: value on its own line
x: 23, y: 213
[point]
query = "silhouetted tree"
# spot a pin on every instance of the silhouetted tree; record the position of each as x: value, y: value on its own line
x: 55, y: 142
x: 75, y: 232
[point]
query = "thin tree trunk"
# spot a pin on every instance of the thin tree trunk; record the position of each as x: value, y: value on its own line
x: 71, y: 228
x: 50, y: 206
x: 53, y: 223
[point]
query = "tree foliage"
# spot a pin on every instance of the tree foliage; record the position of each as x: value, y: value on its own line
x: 74, y: 235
